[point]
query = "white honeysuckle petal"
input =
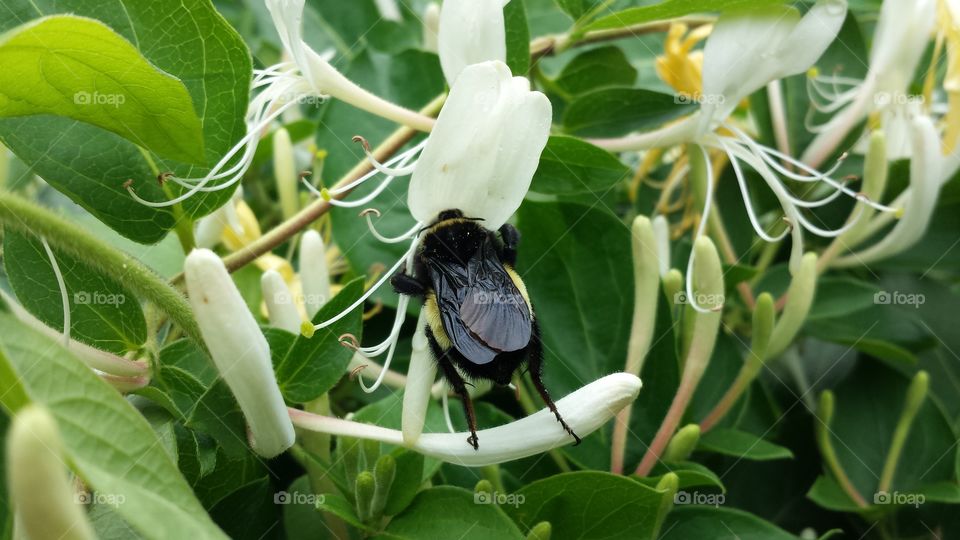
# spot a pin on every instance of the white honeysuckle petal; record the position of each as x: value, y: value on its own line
x: 314, y: 274
x: 281, y: 306
x: 748, y: 49
x: 661, y: 230
x: 925, y: 172
x: 209, y: 229
x: 421, y: 373
x: 585, y: 410
x: 899, y: 41
x: 239, y: 350
x: 471, y: 31
x: 484, y: 149
x: 288, y: 19
x: 431, y: 27
x: 389, y: 10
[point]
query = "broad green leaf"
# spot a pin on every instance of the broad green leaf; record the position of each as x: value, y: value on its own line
x: 339, y: 506
x: 612, y: 112
x: 594, y: 69
x: 308, y: 367
x: 589, y: 504
x: 445, y: 511
x: 671, y: 9
x: 107, y: 442
x: 518, y: 38
x: 889, y: 332
x: 81, y: 69
x: 837, y: 297
x: 102, y: 312
x: 576, y: 8
x: 740, y: 444
x: 250, y: 511
x: 689, y: 474
x: 719, y: 524
x: 191, y: 42
x: 6, y: 510
x: 569, y: 166
x: 302, y: 521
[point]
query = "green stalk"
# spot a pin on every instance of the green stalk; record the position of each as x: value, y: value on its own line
x: 25, y: 217
x: 916, y: 395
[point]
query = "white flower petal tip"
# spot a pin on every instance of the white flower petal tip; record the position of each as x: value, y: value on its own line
x: 470, y: 32
x: 585, y: 411
x: 314, y: 273
x: 239, y: 350
x: 484, y: 148
x: 281, y: 306
x: 421, y: 373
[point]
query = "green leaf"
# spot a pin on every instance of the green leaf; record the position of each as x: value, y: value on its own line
x: 570, y: 166
x: 81, y: 69
x: 518, y: 38
x: 191, y: 42
x: 594, y: 69
x: 444, y: 511
x: 576, y: 8
x: 102, y: 312
x: 407, y: 481
x: 671, y: 9
x: 339, y: 506
x: 308, y: 367
x: 838, y: 297
x: 827, y: 493
x: 689, y: 474
x: 107, y: 442
x: 613, y: 112
x: 740, y: 444
x: 719, y: 524
x: 589, y: 504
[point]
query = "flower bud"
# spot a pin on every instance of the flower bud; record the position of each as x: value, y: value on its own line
x: 43, y: 497
x: 646, y: 281
x: 540, y: 531
x: 285, y: 173
x: 763, y: 324
x: 364, y: 489
x: 683, y: 443
x: 239, y: 350
x: 281, y: 308
x: 314, y: 274
x: 799, y: 300
x: 384, y: 472
x: 431, y: 27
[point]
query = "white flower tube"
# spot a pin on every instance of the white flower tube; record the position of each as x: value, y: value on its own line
x: 239, y: 350
x: 314, y: 274
x: 281, y: 306
x: 484, y: 149
x: 209, y: 228
x: 43, y: 498
x: 420, y: 376
x: 285, y: 173
x: 471, y: 31
x: 431, y: 27
x: 585, y: 410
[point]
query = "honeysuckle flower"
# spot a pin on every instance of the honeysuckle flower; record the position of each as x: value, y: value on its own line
x: 919, y: 200
x: 420, y: 376
x: 899, y: 41
x: 285, y: 173
x: 680, y: 66
x: 209, y: 230
x: 471, y: 31
x: 309, y: 76
x: 585, y: 410
x: 281, y: 307
x: 44, y: 500
x: 314, y: 273
x: 239, y: 350
x: 799, y: 299
x: 490, y: 113
x: 745, y: 52
x: 948, y: 16
x: 389, y: 10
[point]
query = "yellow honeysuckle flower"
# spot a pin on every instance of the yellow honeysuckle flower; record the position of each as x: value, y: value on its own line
x: 681, y: 66
x: 948, y: 19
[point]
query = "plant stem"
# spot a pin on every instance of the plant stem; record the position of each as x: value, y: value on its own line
x: 25, y: 217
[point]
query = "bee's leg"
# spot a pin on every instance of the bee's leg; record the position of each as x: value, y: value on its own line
x: 535, y: 365
x: 453, y: 377
x: 511, y: 237
x: 408, y: 285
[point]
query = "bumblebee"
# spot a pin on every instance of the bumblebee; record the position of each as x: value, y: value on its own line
x: 480, y: 322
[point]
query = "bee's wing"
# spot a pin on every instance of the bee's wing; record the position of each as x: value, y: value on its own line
x: 482, y: 310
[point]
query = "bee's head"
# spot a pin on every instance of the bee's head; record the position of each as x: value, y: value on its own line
x: 453, y: 213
